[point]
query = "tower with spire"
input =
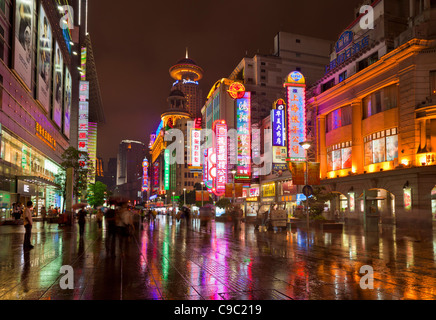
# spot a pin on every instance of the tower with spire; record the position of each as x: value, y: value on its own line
x: 187, y: 74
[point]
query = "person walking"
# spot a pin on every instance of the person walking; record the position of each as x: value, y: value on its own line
x: 81, y: 219
x: 28, y: 222
x: 44, y: 215
x: 111, y: 230
x: 99, y: 217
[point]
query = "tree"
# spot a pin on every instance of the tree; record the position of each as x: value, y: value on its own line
x: 72, y: 159
x: 318, y: 200
x: 223, y: 203
x: 97, y: 194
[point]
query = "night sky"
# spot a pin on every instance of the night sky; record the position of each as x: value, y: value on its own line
x: 135, y: 44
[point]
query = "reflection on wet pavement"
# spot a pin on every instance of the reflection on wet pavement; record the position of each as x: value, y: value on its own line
x: 169, y: 260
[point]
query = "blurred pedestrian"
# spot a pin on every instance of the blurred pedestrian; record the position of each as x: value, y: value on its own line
x: 111, y: 230
x: 43, y: 214
x: 81, y: 219
x: 28, y: 222
x: 99, y: 217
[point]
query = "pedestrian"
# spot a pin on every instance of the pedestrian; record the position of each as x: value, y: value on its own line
x: 43, y: 214
x: 81, y: 219
x: 99, y: 217
x: 188, y: 216
x: 28, y: 222
x: 111, y: 230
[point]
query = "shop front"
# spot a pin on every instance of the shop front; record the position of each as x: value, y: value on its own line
x: 26, y: 174
x: 268, y: 196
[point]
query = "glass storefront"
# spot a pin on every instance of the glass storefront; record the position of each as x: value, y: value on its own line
x: 26, y: 174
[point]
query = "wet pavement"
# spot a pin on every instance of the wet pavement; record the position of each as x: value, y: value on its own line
x: 170, y: 261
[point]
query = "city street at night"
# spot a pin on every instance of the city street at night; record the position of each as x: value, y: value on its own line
x: 169, y: 260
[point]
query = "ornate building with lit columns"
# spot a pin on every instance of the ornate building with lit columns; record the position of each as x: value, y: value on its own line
x: 376, y: 118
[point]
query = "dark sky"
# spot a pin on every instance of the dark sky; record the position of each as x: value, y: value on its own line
x: 136, y: 42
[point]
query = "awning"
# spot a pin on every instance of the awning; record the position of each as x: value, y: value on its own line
x: 41, y: 182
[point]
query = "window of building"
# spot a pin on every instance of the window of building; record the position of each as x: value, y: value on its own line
x: 298, y: 54
x: 262, y: 78
x: 379, y: 101
x: 381, y: 146
x: 339, y: 156
x: 327, y: 85
x: 433, y: 4
x: 262, y: 63
x: 367, y: 62
x: 297, y: 40
x: 262, y: 70
x: 342, y: 76
x: 298, y: 69
x: 338, y: 118
x: 433, y: 82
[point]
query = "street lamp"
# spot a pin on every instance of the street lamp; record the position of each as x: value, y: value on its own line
x: 234, y: 191
x: 173, y: 200
x: 306, y: 145
x: 184, y: 196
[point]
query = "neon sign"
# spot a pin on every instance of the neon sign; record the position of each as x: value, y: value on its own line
x: 186, y: 81
x: 278, y: 123
x: 220, y: 127
x: 296, y: 91
x: 236, y: 90
x: 167, y: 169
x: 243, y: 124
x: 144, y: 175
x: 195, y: 148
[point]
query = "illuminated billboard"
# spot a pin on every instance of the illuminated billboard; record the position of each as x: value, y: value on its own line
x: 44, y: 60
x: 295, y: 92
x: 23, y: 46
x: 58, y: 72
x: 167, y: 169
x: 220, y: 144
x: 67, y: 102
x: 145, y: 175
x: 243, y: 124
x: 83, y: 120
x: 195, y: 148
x: 278, y: 123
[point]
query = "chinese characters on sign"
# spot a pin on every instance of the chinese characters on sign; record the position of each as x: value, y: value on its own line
x: 45, y: 136
x: 278, y: 123
x: 83, y: 121
x: 145, y: 175
x: 195, y: 148
x: 295, y: 91
x: 221, y: 156
x: 167, y: 169
x: 243, y: 123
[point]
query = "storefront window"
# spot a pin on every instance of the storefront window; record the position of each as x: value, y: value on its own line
x: 381, y: 146
x: 339, y: 156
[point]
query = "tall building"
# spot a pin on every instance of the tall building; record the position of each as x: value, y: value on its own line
x: 39, y: 83
x: 374, y: 117
x: 187, y: 75
x: 129, y: 169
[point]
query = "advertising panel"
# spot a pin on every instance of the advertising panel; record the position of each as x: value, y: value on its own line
x: 313, y: 173
x: 278, y: 127
x: 23, y: 46
x: 44, y: 60
x: 346, y: 158
x: 221, y: 156
x: 296, y: 91
x: 67, y: 102
x: 391, y: 147
x: 167, y: 169
x: 144, y: 175
x: 297, y: 170
x: 243, y: 122
x: 269, y: 189
x: 57, y: 86
x: 195, y: 148
x: 378, y: 148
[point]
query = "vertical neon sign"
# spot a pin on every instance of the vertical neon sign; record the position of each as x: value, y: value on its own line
x: 195, y: 148
x: 296, y: 96
x: 243, y: 124
x: 220, y: 144
x: 167, y: 169
x: 145, y: 175
x: 278, y: 123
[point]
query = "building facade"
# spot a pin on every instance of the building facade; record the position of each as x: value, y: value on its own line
x: 375, y: 132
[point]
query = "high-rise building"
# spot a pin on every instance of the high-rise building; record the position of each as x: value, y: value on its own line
x: 129, y: 169
x: 39, y: 83
x: 187, y: 74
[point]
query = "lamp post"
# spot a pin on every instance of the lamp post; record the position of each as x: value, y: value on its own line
x: 306, y: 145
x: 184, y: 196
x: 173, y: 201
x: 234, y: 191
x: 202, y: 183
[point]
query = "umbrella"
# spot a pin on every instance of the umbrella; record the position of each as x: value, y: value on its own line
x: 79, y: 205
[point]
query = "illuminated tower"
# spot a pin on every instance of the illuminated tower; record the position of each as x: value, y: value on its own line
x: 186, y: 74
